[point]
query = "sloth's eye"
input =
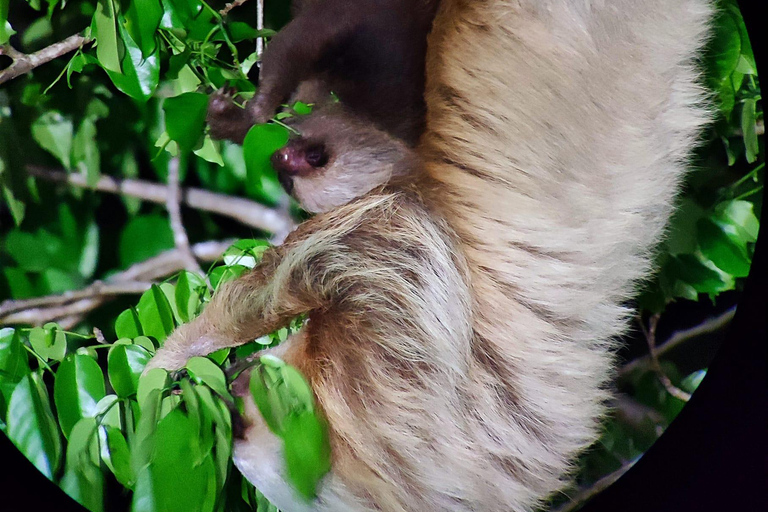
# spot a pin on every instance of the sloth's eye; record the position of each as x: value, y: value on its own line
x: 316, y: 156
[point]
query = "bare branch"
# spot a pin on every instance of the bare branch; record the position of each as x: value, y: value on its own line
x: 24, y: 63
x: 173, y: 205
x: 259, y: 26
x: 678, y: 339
x: 584, y: 495
x: 650, y: 337
x: 68, y: 308
x: 249, y: 213
x: 232, y: 5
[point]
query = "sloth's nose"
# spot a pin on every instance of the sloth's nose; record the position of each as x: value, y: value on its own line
x: 290, y: 160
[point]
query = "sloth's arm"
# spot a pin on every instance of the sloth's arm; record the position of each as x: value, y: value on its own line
x: 299, y: 51
x: 296, y: 278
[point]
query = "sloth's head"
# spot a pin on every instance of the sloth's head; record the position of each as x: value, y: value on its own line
x: 337, y: 158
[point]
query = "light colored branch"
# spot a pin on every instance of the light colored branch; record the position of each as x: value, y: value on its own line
x: 24, y: 63
x: 650, y: 337
x: 249, y: 213
x: 678, y: 339
x: 173, y: 205
x: 259, y: 26
x: 68, y: 308
x: 232, y: 5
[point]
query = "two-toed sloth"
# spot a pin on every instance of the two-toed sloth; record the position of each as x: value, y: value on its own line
x: 464, y: 298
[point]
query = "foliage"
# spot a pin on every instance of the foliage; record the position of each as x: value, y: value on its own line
x: 166, y: 438
x: 134, y: 97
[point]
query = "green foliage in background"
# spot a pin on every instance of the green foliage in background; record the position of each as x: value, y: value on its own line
x: 124, y: 104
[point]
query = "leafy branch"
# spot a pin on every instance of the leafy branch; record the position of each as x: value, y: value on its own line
x: 69, y: 308
x: 24, y: 63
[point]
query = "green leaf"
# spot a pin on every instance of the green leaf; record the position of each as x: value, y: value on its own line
x: 142, y: 18
x: 31, y: 427
x: 6, y: 31
x: 307, y: 452
x: 210, y: 151
x: 25, y: 249
x: 48, y: 342
x: 691, y: 270
x: 185, y: 118
x: 116, y: 455
x: 222, y: 274
x: 140, y: 76
x: 692, y: 381
x: 740, y: 215
x: 128, y: 325
x: 125, y: 364
x: 155, y: 379
x: 260, y: 143
x: 85, y: 152
x: 53, y: 132
x: 728, y: 253
x: 108, y: 411
x: 748, y: 128
x: 187, y: 295
x: 135, y: 243
x: 83, y: 479
x: 725, y: 46
x: 245, y: 252
x: 109, y: 47
x: 155, y: 314
x: 171, y: 482
x: 14, y: 365
x: 205, y: 371
x: 78, y: 387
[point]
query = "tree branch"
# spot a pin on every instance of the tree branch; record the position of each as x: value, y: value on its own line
x: 68, y: 308
x: 249, y: 213
x: 650, y: 337
x: 584, y: 495
x: 24, y: 63
x: 676, y: 340
x: 232, y: 5
x: 173, y: 205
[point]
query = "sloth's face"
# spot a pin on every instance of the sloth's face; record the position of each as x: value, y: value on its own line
x: 337, y: 158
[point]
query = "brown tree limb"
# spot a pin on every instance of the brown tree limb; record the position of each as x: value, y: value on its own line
x: 68, y: 308
x: 584, y: 495
x: 677, y: 339
x: 24, y: 63
x: 650, y: 337
x: 249, y: 213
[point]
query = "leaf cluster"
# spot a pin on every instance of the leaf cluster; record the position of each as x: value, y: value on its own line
x: 83, y: 413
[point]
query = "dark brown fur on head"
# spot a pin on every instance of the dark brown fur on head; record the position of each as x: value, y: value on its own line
x: 370, y: 53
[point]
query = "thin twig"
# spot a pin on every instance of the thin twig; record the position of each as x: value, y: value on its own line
x: 230, y: 6
x: 249, y: 213
x: 68, y: 308
x: 584, y: 495
x: 259, y: 26
x: 173, y: 205
x: 678, y: 339
x: 24, y: 63
x: 650, y: 337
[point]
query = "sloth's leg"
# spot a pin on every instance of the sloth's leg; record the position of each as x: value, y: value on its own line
x: 290, y: 280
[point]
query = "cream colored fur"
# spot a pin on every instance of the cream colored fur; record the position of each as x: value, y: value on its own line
x: 462, y: 322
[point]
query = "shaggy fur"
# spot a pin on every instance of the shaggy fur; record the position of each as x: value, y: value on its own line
x: 462, y: 320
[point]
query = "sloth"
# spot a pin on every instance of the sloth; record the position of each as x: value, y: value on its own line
x: 369, y: 53
x: 465, y: 296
